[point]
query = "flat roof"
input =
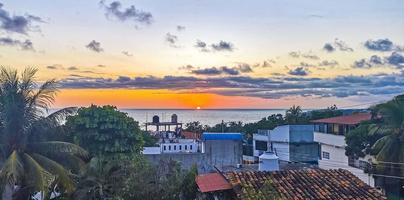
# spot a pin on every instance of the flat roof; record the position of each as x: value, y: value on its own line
x: 151, y: 150
x: 221, y: 136
x: 346, y: 119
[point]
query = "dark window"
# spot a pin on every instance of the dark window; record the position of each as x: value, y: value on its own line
x: 186, y: 147
x: 175, y: 147
x: 190, y: 147
x: 261, y: 145
x: 326, y: 155
x: 180, y: 147
x: 164, y: 148
x: 169, y: 148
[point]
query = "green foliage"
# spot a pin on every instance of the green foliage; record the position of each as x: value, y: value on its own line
x: 106, y: 132
x: 359, y: 141
x: 189, y: 187
x: 331, y: 111
x: 163, y: 181
x: 28, y: 155
x: 195, y: 127
x: 149, y: 140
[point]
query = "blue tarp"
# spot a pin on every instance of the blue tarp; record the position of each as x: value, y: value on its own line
x: 222, y: 136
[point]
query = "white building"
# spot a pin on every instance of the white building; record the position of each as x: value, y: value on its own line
x: 291, y: 143
x: 330, y: 134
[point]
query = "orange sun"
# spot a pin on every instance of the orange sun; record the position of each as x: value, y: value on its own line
x: 198, y: 108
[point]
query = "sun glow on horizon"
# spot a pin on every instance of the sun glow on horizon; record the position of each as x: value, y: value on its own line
x: 198, y: 108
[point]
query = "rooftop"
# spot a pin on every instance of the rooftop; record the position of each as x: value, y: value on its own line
x: 302, y: 184
x: 212, y: 182
x: 346, y: 120
x: 222, y: 136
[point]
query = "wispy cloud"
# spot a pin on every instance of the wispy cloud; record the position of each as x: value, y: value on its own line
x: 337, y: 45
x: 94, y: 46
x: 130, y: 13
x: 181, y: 28
x: 382, y: 45
x: 23, y: 45
x: 172, y: 40
x: 17, y: 23
x: 127, y: 53
x: 223, y: 46
x: 299, y: 71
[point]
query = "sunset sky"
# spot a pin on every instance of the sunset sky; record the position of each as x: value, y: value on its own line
x: 209, y: 53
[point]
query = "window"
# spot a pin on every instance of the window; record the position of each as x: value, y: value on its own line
x: 261, y: 145
x: 186, y: 147
x: 164, y: 147
x: 175, y: 147
x: 326, y: 155
x: 190, y: 147
x: 180, y: 147
x: 169, y: 148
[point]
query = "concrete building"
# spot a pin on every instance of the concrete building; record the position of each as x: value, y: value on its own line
x: 222, y: 149
x: 330, y: 134
x: 291, y: 143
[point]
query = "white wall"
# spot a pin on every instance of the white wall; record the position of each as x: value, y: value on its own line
x: 330, y: 139
x: 281, y: 150
x: 179, y: 147
x: 280, y: 134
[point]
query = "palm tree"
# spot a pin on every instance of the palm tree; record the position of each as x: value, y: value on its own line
x: 294, y: 115
x: 29, y: 162
x: 389, y: 149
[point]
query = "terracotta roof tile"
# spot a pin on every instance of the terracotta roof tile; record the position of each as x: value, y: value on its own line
x: 347, y: 119
x: 303, y: 184
x: 212, y: 182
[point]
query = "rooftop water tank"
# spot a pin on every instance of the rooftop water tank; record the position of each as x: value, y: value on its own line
x: 268, y: 161
x: 156, y: 119
x: 174, y: 118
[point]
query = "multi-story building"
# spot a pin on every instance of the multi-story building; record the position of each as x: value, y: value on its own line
x: 291, y: 143
x: 330, y: 134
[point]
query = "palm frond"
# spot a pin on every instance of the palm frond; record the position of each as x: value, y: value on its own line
x: 37, y: 177
x: 27, y: 80
x: 45, y: 96
x: 54, y: 147
x: 58, y: 116
x: 62, y: 175
x: 13, y: 169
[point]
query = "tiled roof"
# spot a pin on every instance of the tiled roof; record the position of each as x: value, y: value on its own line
x: 212, y: 182
x: 301, y: 185
x: 347, y: 119
x: 191, y: 135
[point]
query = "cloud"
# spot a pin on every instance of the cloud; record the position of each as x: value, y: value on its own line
x: 329, y: 47
x: 181, y: 28
x: 172, y: 40
x: 396, y: 59
x: 337, y: 45
x: 126, y: 53
x: 94, y: 46
x: 55, y: 66
x: 213, y: 71
x: 382, y: 45
x: 244, y: 68
x: 202, y: 46
x: 299, y: 71
x: 126, y: 14
x: 224, y: 70
x: 223, y: 46
x: 331, y: 63
x: 23, y: 45
x: 298, y: 54
x: 17, y: 23
x: 270, y: 88
x: 72, y: 68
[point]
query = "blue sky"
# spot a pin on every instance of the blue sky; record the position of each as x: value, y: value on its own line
x: 289, y: 36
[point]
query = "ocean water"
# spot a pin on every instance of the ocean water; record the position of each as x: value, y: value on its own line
x: 206, y: 117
